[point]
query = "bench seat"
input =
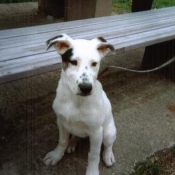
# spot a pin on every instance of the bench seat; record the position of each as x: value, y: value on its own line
x: 23, y: 54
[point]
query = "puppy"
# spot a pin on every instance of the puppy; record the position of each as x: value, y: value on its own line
x: 81, y: 106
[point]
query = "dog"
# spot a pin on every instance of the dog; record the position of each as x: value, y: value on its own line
x: 81, y: 106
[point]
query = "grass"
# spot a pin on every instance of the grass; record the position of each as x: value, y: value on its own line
x: 163, y: 3
x: 121, y: 6
x: 16, y: 1
x: 124, y: 6
x: 148, y: 168
x: 161, y: 163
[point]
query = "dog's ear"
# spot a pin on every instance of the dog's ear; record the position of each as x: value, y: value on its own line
x: 103, y: 47
x: 61, y: 43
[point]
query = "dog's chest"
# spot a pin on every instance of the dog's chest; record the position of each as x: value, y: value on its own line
x: 79, y: 129
x: 73, y: 116
x: 77, y: 118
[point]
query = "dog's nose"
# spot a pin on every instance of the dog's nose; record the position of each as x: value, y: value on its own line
x: 85, y: 88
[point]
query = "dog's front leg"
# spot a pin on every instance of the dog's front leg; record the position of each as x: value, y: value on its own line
x: 95, y: 138
x: 56, y: 155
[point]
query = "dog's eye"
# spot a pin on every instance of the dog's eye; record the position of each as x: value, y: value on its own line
x: 73, y: 62
x: 94, y: 64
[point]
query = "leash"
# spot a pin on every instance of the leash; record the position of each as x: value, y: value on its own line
x: 137, y: 71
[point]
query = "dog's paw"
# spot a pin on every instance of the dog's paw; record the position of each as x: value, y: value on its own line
x: 52, y: 158
x: 108, y: 158
x: 72, y: 144
x: 71, y: 148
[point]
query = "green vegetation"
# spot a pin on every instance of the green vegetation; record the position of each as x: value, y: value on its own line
x: 124, y: 6
x: 161, y: 163
x: 121, y: 6
x: 147, y: 168
x: 163, y: 3
x: 15, y: 1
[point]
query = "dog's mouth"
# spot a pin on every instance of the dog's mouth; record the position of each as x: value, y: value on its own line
x: 84, y: 95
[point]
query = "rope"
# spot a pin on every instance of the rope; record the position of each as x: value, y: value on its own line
x: 145, y: 71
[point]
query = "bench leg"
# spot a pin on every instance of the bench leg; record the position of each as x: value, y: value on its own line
x: 158, y: 54
x: 140, y: 5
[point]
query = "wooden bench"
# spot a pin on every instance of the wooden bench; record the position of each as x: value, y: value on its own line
x: 23, y: 54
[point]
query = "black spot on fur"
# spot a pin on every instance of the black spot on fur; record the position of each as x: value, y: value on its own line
x: 85, y: 79
x: 67, y: 55
x: 102, y: 39
x: 83, y: 74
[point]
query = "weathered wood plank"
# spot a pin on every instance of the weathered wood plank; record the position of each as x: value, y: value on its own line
x: 42, y: 37
x: 132, y: 42
x: 51, y: 61
x: 143, y: 39
x: 94, y: 8
x: 22, y: 51
x: 115, y: 32
x: 33, y: 65
x: 79, y: 23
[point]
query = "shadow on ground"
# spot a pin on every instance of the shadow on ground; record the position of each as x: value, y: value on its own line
x: 142, y: 107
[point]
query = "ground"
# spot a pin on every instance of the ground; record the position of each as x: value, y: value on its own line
x: 143, y: 108
x: 21, y: 15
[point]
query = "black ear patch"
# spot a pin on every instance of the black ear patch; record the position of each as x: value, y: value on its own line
x: 102, y: 39
x: 48, y: 41
x: 67, y: 55
x: 66, y: 58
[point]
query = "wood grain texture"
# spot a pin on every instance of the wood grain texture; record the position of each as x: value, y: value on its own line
x: 22, y: 51
x: 83, y: 9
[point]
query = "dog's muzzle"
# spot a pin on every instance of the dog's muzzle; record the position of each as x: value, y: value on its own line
x: 85, y: 88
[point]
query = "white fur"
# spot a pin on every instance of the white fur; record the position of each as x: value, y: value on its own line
x: 83, y: 116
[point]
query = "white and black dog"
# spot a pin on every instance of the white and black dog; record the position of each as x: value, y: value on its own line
x: 81, y: 106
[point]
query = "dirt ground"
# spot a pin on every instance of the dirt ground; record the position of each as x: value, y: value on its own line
x: 21, y: 15
x: 143, y: 107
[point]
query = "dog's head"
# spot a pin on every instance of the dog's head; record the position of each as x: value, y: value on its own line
x: 80, y: 60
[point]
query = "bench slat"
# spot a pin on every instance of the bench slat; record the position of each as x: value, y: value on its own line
x: 79, y: 23
x: 33, y: 65
x: 22, y: 51
x: 42, y: 36
x: 51, y: 61
x: 33, y: 49
x: 144, y: 39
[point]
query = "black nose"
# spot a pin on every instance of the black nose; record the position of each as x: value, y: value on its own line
x: 85, y: 88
